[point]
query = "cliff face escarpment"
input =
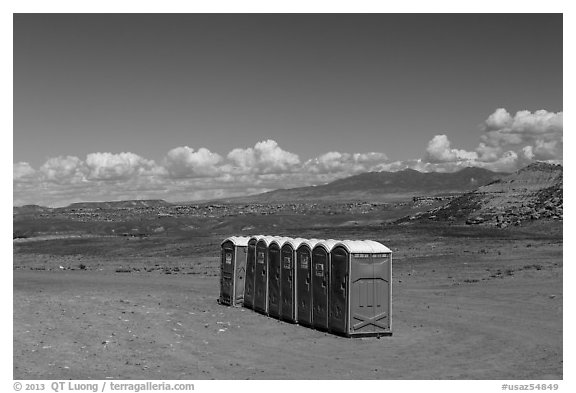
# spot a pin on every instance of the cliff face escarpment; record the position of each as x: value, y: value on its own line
x: 534, y: 192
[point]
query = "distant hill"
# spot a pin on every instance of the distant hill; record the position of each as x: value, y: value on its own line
x: 30, y: 209
x: 120, y: 204
x: 383, y: 186
x: 531, y: 193
x: 139, y: 203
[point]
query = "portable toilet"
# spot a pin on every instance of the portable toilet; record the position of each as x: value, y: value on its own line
x: 261, y: 275
x: 320, y: 279
x: 274, y: 276
x: 233, y: 270
x: 288, y: 297
x: 360, y: 289
x: 304, y: 282
x: 250, y: 272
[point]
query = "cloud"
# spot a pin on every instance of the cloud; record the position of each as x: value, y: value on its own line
x: 524, y: 122
x: 439, y: 150
x: 528, y: 152
x: 345, y: 164
x: 538, y: 135
x: 547, y: 150
x: 108, y: 166
x: 273, y: 159
x: 507, y: 162
x: 267, y: 165
x: 540, y: 122
x: 62, y: 170
x: 184, y: 162
x: 422, y: 165
x: 243, y: 161
x: 371, y: 158
x: 22, y: 172
x: 265, y: 157
x: 498, y: 120
x: 508, y: 143
x: 488, y: 153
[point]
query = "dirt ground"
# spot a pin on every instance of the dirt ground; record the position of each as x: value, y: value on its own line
x: 466, y: 305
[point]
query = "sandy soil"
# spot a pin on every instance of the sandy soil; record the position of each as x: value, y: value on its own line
x: 463, y: 308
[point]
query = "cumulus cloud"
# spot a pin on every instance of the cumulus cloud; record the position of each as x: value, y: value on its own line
x: 508, y: 162
x: 326, y: 163
x: 370, y: 158
x: 422, y: 165
x: 498, y: 120
x: 345, y: 163
x: 540, y: 122
x: 108, y: 166
x: 272, y: 158
x: 439, y: 150
x: 508, y: 143
x: 264, y: 157
x: 488, y: 153
x: 184, y: 162
x: 69, y: 169
x: 524, y: 122
x: 547, y: 150
x: 243, y: 160
x: 22, y: 171
x: 537, y: 134
x: 441, y: 157
x: 528, y: 153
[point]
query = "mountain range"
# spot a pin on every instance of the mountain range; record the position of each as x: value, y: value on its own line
x: 383, y: 186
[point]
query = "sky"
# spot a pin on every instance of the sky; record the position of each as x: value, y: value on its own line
x: 187, y: 107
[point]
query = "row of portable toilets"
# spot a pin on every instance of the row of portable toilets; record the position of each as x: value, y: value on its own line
x: 343, y: 287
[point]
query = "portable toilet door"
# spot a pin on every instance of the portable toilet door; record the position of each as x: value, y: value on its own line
x: 274, y: 272
x: 359, y: 286
x: 382, y: 264
x: 339, y: 294
x: 339, y: 298
x: 250, y: 273
x: 320, y: 280
x: 304, y: 282
x: 261, y: 275
x: 233, y: 270
x: 288, y: 299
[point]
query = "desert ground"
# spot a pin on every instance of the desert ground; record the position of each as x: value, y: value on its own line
x: 469, y: 302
